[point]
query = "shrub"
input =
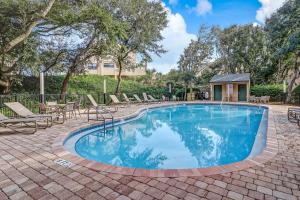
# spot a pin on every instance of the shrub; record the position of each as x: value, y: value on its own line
x: 86, y: 84
x: 275, y: 91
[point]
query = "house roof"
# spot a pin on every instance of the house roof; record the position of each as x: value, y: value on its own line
x: 230, y: 78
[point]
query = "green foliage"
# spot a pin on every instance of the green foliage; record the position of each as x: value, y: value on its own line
x: 86, y: 84
x: 244, y: 49
x: 145, y: 21
x: 297, y: 90
x: 196, y: 56
x: 284, y: 35
x: 274, y: 91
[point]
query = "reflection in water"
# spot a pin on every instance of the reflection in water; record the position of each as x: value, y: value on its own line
x: 177, y: 137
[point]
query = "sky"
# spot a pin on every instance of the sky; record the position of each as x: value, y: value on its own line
x: 186, y: 16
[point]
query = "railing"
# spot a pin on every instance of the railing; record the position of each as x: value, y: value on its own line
x: 31, y: 101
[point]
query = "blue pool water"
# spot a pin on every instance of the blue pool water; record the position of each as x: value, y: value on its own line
x: 183, y: 136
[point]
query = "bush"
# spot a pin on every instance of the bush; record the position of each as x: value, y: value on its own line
x: 275, y: 91
x: 86, y: 84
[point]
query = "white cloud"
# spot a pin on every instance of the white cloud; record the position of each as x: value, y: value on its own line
x: 173, y: 2
x: 203, y: 7
x: 176, y: 39
x: 268, y: 7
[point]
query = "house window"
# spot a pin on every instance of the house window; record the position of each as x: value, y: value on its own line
x: 92, y: 66
x: 109, y: 65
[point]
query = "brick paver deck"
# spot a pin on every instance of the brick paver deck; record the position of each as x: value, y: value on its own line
x: 28, y: 171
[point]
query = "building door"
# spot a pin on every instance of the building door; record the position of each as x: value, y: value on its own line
x: 218, y: 92
x: 242, y: 92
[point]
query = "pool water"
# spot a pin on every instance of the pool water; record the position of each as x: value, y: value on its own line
x: 177, y: 137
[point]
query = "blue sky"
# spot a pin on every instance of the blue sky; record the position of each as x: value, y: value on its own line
x: 223, y: 13
x: 186, y: 16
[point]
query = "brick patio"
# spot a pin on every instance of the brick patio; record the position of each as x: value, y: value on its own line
x: 27, y: 171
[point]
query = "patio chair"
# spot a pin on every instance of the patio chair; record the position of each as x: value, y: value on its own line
x: 163, y: 98
x: 146, y: 98
x: 152, y: 98
x: 48, y: 108
x: 22, y: 111
x: 251, y: 99
x: 100, y: 111
x: 116, y: 102
x: 77, y: 107
x: 138, y: 98
x: 69, y: 109
x: 293, y: 113
x: 6, y: 122
x: 265, y: 99
x: 174, y: 98
x: 128, y: 100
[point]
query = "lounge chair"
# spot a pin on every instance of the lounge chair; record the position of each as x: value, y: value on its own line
x: 252, y: 99
x: 128, y: 100
x: 116, y: 102
x: 137, y: 98
x: 265, y: 99
x: 22, y: 111
x: 152, y: 98
x: 174, y: 98
x: 6, y: 122
x: 146, y: 98
x: 100, y: 111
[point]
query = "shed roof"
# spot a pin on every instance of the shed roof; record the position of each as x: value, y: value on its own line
x: 230, y: 78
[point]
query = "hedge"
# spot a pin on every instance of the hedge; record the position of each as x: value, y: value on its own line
x: 275, y: 91
x: 86, y: 84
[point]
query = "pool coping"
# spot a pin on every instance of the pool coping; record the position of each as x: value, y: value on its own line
x: 268, y: 153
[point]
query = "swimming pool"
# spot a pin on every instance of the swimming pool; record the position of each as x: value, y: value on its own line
x: 176, y: 137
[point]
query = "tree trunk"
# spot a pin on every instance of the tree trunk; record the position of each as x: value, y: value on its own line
x: 5, y: 86
x: 119, y: 77
x: 65, y: 84
x: 291, y: 84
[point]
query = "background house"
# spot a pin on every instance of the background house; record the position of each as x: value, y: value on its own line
x: 230, y: 87
x: 106, y: 66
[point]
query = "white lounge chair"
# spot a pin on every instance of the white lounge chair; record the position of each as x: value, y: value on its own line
x: 127, y: 99
x: 9, y: 123
x: 22, y: 111
x: 138, y: 98
x: 146, y: 98
x: 100, y: 110
x: 116, y: 102
x: 152, y: 98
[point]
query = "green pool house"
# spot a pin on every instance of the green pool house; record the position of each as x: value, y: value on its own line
x: 230, y: 87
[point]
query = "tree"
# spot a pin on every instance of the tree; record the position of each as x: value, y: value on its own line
x: 96, y: 31
x: 283, y: 31
x: 199, y: 52
x: 18, y: 20
x: 144, y: 22
x: 196, y: 57
x: 244, y: 49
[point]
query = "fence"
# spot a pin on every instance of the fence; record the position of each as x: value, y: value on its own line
x: 31, y: 101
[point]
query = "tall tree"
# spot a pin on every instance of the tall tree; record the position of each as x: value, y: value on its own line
x: 283, y: 28
x: 196, y: 56
x: 244, y: 49
x: 144, y: 22
x: 95, y: 31
x: 199, y: 52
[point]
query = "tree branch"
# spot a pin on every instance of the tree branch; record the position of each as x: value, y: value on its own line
x: 26, y: 34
